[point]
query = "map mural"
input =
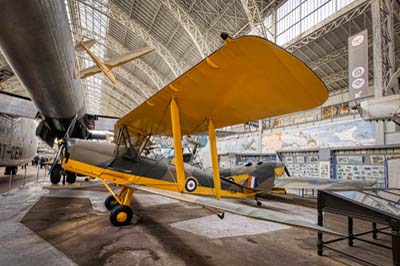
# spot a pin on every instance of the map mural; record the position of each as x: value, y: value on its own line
x: 349, y: 133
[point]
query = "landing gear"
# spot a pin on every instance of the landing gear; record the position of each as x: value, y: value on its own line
x: 71, y: 177
x: 11, y: 170
x: 259, y: 203
x: 56, y: 173
x: 121, y: 215
x: 120, y: 212
x: 110, y: 202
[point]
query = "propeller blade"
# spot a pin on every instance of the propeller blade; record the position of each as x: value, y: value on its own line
x: 70, y: 127
x: 66, y: 138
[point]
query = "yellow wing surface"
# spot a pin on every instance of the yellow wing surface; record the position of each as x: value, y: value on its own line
x: 249, y: 78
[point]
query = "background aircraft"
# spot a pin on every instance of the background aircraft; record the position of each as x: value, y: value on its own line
x: 42, y: 56
x: 383, y: 108
x: 18, y: 142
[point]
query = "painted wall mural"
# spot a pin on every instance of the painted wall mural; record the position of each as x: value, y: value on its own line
x: 338, y: 134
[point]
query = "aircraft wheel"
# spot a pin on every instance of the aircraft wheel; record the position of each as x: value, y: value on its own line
x: 259, y: 203
x: 121, y: 215
x: 71, y: 177
x: 110, y: 202
x: 11, y: 170
x: 55, y: 175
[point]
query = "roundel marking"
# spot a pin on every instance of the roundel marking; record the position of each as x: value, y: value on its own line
x: 191, y: 184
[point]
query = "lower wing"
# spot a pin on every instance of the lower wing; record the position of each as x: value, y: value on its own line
x: 320, y: 183
x: 252, y: 212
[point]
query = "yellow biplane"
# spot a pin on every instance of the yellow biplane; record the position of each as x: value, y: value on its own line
x: 249, y: 78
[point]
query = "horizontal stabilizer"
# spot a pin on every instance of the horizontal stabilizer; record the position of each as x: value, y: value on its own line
x: 252, y: 212
x: 88, y: 44
x: 17, y: 106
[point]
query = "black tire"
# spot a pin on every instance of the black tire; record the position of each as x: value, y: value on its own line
x: 55, y: 175
x: 110, y: 202
x: 71, y: 177
x: 11, y: 170
x: 121, y: 215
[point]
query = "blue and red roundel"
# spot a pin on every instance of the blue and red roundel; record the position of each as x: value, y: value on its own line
x: 191, y: 184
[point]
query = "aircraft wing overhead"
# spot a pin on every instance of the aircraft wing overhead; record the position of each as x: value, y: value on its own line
x: 16, y: 105
x: 249, y: 78
x: 252, y: 212
x: 125, y: 58
x: 90, y: 71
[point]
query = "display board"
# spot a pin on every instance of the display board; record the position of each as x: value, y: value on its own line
x: 361, y: 167
x: 302, y: 165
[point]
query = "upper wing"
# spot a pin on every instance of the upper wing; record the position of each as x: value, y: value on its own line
x: 252, y: 212
x: 320, y: 183
x: 249, y: 78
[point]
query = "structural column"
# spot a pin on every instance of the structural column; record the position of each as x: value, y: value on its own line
x: 383, y: 53
x: 176, y: 132
x: 214, y: 159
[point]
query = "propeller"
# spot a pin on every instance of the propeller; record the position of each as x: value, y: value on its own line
x: 64, y: 143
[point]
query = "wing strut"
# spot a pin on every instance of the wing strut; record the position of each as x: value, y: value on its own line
x: 176, y: 132
x: 214, y: 159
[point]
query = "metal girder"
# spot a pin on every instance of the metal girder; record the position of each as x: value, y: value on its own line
x: 127, y: 101
x: 127, y: 97
x: 343, y: 16
x: 119, y: 16
x: 144, y: 89
x: 186, y: 21
x: 383, y: 39
x: 255, y: 19
x: 210, y: 26
x: 337, y: 76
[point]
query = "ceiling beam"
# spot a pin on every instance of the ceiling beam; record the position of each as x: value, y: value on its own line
x: 191, y: 28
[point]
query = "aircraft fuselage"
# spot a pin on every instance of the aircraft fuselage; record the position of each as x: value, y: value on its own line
x: 36, y: 41
x: 18, y: 143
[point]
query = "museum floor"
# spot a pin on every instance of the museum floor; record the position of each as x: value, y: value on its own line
x: 40, y: 226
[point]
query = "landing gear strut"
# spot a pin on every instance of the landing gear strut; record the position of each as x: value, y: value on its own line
x: 118, y: 205
x: 11, y: 170
x: 259, y: 203
x: 58, y: 172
